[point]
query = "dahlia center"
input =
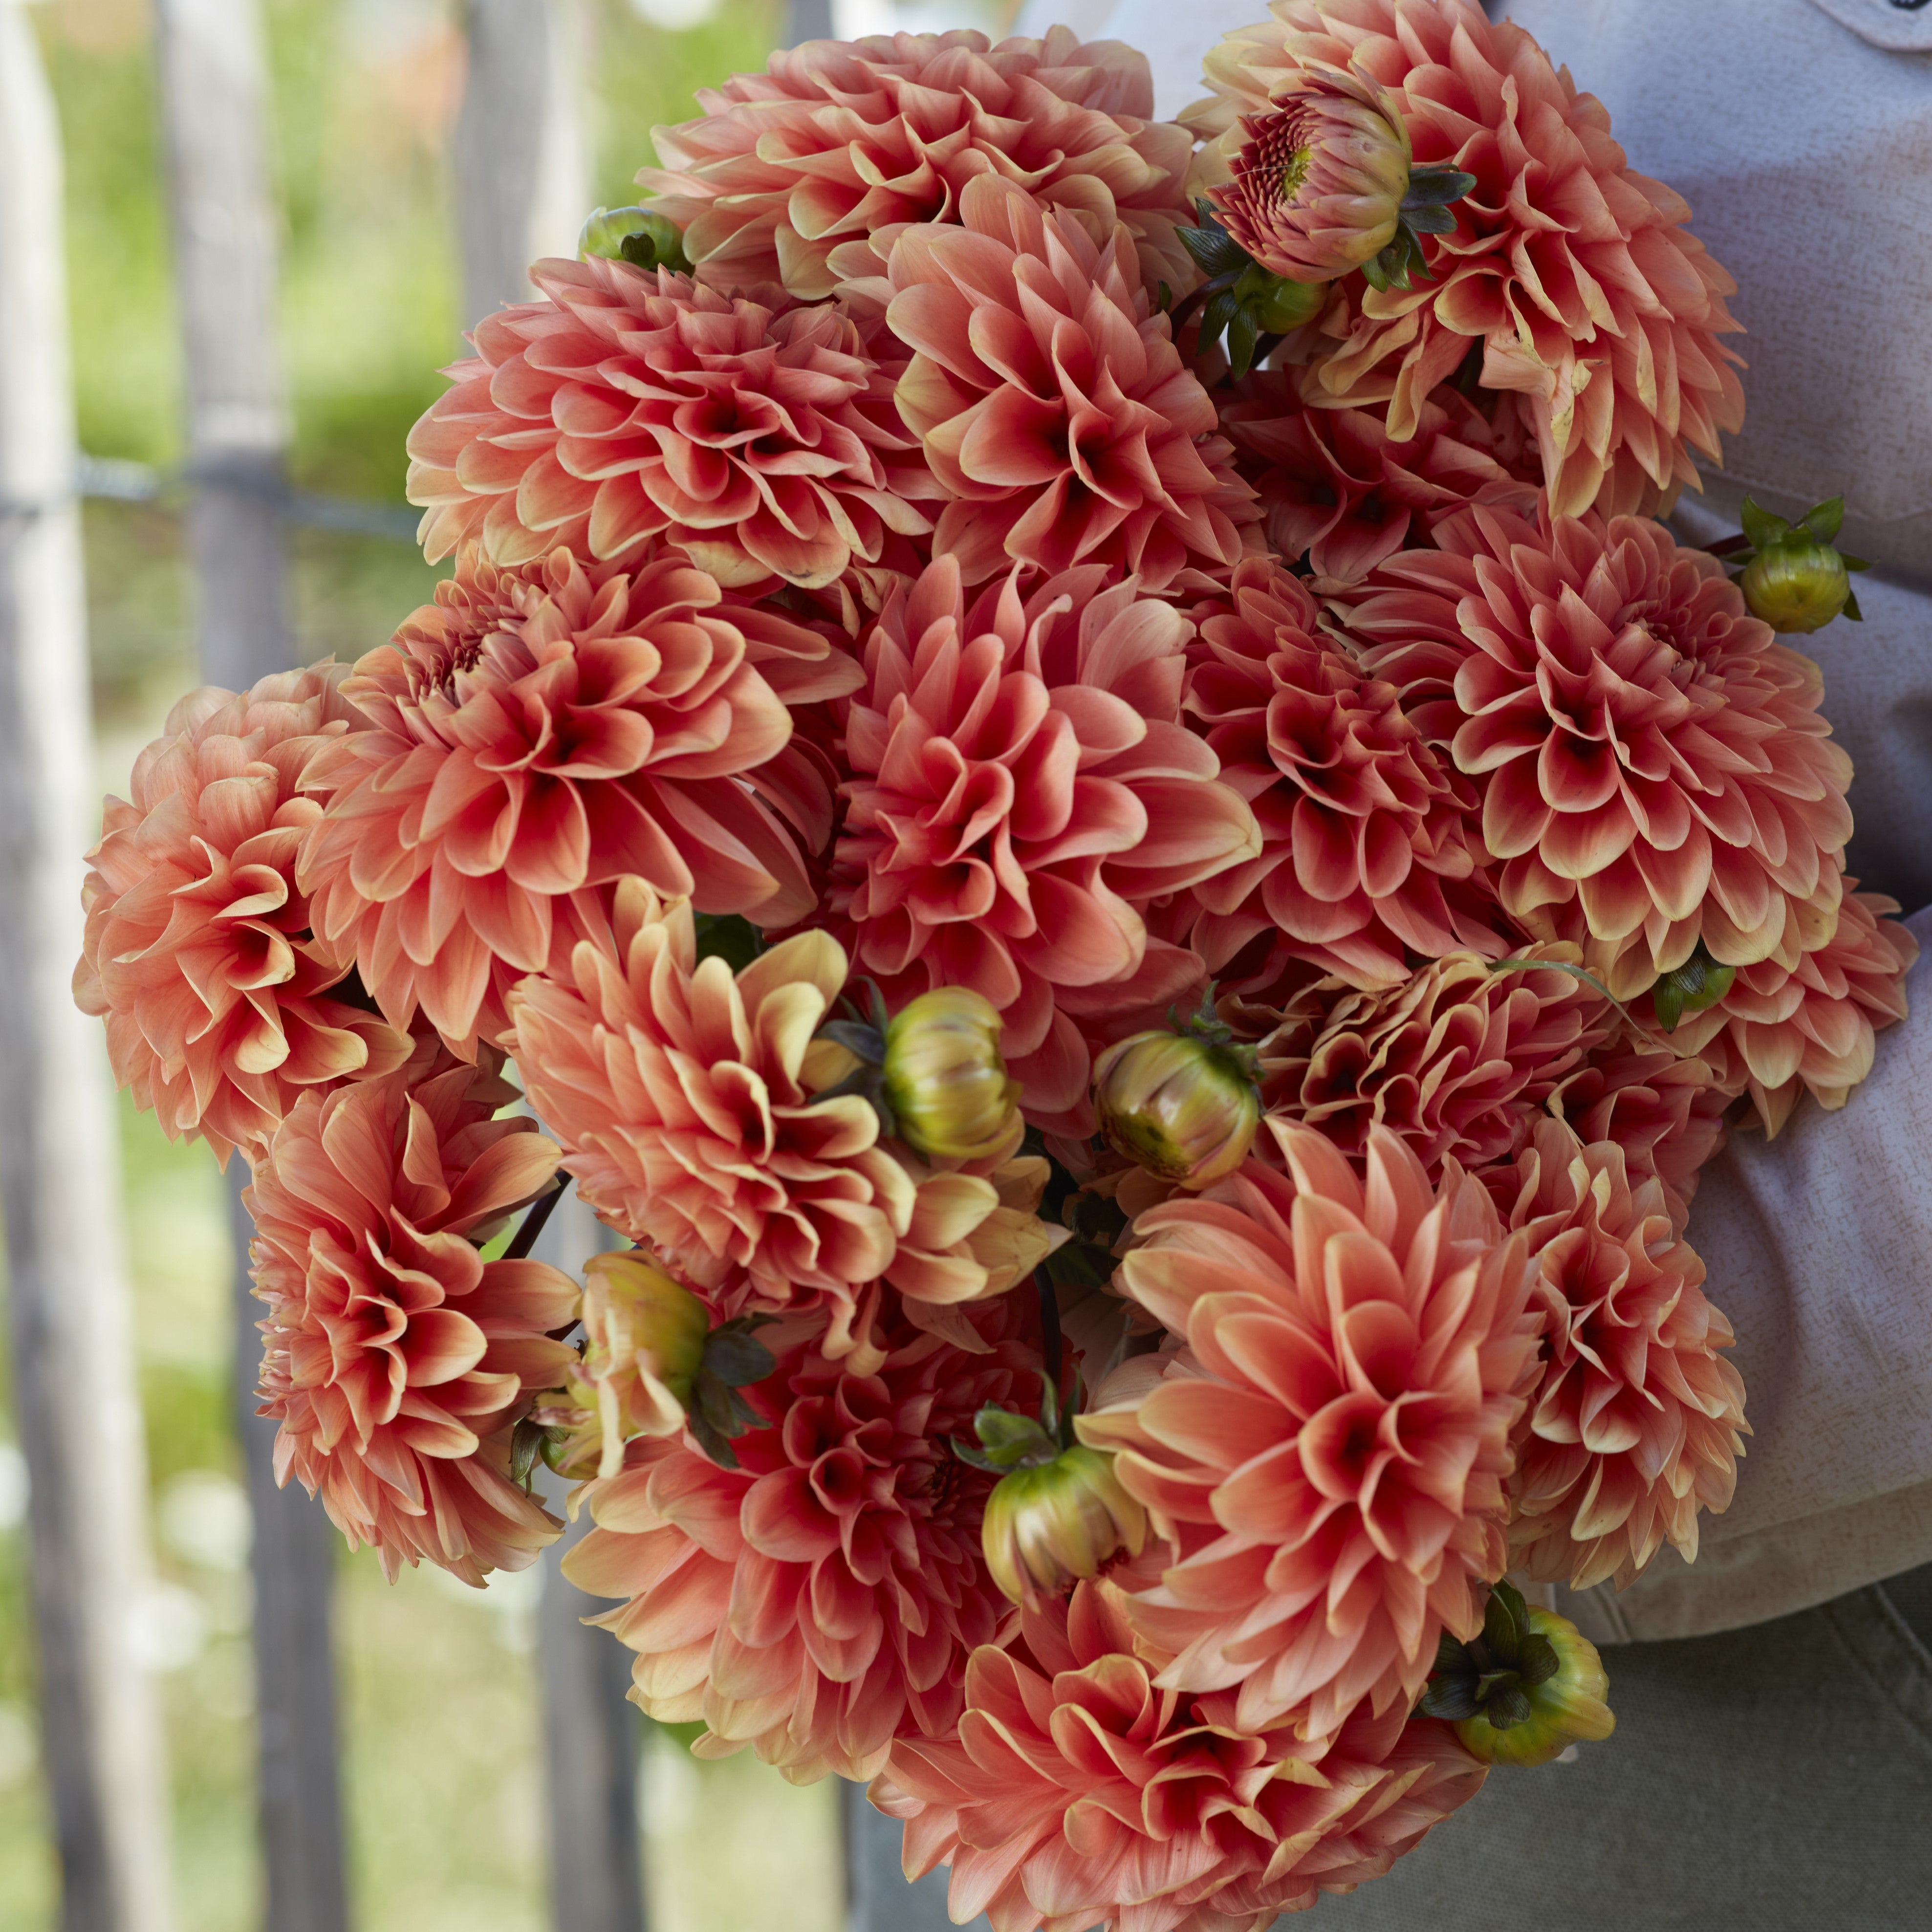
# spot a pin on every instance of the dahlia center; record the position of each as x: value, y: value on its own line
x: 1295, y: 173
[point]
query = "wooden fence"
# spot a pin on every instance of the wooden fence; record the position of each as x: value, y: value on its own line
x: 522, y: 175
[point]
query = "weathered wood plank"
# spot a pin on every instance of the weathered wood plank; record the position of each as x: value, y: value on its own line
x: 591, y: 1732
x: 213, y: 89
x: 74, y: 1390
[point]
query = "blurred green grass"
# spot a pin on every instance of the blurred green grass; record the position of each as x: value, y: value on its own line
x: 441, y: 1722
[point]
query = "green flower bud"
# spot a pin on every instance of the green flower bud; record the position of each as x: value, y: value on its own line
x: 948, y: 1089
x: 1527, y: 1687
x: 1796, y: 586
x: 639, y: 235
x: 1792, y: 577
x: 1183, y: 1105
x: 1049, y: 1526
x: 1699, y: 983
x: 1279, y: 304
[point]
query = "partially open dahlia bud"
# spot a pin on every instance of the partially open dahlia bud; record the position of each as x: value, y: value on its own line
x: 1525, y: 1689
x: 1184, y: 1105
x: 638, y: 235
x: 1058, y: 1512
x: 1793, y: 580
x: 1317, y: 186
x: 644, y: 1340
x: 949, y: 1090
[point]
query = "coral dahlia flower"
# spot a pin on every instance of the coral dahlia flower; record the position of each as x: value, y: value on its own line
x: 1663, y: 1108
x: 1022, y: 782
x: 1574, y: 277
x: 758, y: 435
x: 1316, y: 184
x: 1779, y: 1032
x: 1078, y: 1793
x: 1636, y: 1422
x: 397, y: 1359
x: 1458, y: 1061
x: 1337, y: 489
x: 684, y: 1098
x: 789, y: 174
x: 199, y: 953
x: 1055, y: 409
x: 1329, y: 1451
x: 1364, y: 859
x: 1653, y: 765
x: 823, y: 1598
x: 538, y: 732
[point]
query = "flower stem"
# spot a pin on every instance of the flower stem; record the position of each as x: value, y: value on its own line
x: 526, y: 1237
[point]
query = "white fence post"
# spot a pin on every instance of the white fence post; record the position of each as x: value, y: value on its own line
x: 226, y: 232
x: 523, y: 190
x: 75, y: 1393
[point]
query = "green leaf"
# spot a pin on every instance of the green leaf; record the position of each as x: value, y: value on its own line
x: 1824, y: 520
x: 1242, y: 333
x: 1761, y: 526
x: 728, y: 936
x: 1436, y: 186
x: 1539, y: 1662
x: 1451, y: 1698
x: 1507, y: 1708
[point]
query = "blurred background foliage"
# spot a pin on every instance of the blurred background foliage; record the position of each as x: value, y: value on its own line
x: 443, y: 1762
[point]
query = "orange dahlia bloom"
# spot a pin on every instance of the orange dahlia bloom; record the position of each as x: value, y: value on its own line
x: 1055, y: 411
x: 684, y: 1099
x: 1078, y: 1793
x: 199, y: 953
x: 1337, y: 489
x: 1637, y: 1422
x: 1022, y: 784
x: 790, y: 174
x: 1653, y: 765
x: 1364, y: 859
x: 1458, y: 1062
x: 1329, y: 1452
x: 1781, y: 1033
x: 1664, y: 1107
x: 396, y: 1359
x: 758, y: 435
x: 538, y: 733
x: 823, y: 1598
x: 1574, y: 276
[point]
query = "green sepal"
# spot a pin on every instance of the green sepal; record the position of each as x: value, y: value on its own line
x: 1666, y: 1000
x: 528, y: 1441
x: 1505, y: 1623
x: 1824, y: 520
x: 1763, y: 528
x: 1506, y: 1706
x: 1243, y: 332
x: 1163, y: 298
x: 1538, y: 1662
x: 1450, y: 1698
x: 1851, y: 608
x: 859, y: 1036
x: 1217, y: 314
x: 1216, y: 252
x: 1435, y: 186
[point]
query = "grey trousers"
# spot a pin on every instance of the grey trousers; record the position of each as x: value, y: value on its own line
x: 1777, y: 1779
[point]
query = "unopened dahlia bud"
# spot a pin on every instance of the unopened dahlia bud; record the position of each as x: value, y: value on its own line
x: 1793, y: 579
x: 639, y: 235
x: 1049, y: 1526
x: 1317, y: 185
x: 948, y: 1088
x: 644, y: 1340
x: 1184, y: 1105
x: 1699, y: 983
x: 1525, y: 1689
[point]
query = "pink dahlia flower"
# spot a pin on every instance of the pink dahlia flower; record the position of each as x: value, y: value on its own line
x: 1363, y: 860
x: 1078, y: 1793
x: 1316, y: 180
x: 1055, y: 411
x: 1663, y: 1108
x: 1574, y: 276
x: 199, y: 953
x: 1637, y: 1422
x: 1022, y: 783
x: 823, y: 1598
x: 790, y: 174
x: 685, y: 1100
x: 1654, y: 767
x: 397, y: 1359
x: 538, y: 733
x: 758, y: 435
x: 1337, y: 489
x: 1781, y: 1033
x: 1329, y: 1452
x: 1458, y: 1061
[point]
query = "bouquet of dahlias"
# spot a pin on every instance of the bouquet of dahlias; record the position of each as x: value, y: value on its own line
x: 1066, y: 762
